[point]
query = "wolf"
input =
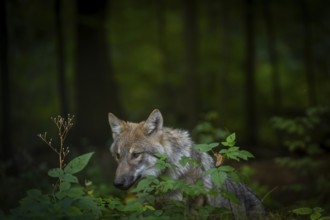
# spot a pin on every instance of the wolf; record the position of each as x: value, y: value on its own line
x: 136, y: 147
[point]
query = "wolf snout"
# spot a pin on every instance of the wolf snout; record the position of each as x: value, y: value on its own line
x: 124, y: 182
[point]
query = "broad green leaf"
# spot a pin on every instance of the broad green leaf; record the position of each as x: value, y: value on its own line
x: 315, y: 215
x: 60, y: 195
x: 76, y: 192
x: 133, y: 206
x: 65, y: 186
x: 233, y: 149
x: 233, y: 155
x: 303, y: 211
x: 226, y: 168
x: 78, y: 163
x: 245, y: 155
x: 74, y: 211
x: 223, y: 151
x: 145, y: 184
x: 69, y: 178
x: 318, y: 209
x: 210, y: 171
x: 184, y: 160
x: 218, y: 177
x: 205, y: 147
x: 230, y: 140
x: 56, y: 172
x: 148, y: 207
x: 161, y: 156
x: 188, y: 160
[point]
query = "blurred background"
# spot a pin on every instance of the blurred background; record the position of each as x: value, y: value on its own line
x: 259, y: 68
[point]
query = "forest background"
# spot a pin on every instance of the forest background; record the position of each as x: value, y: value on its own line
x: 242, y: 62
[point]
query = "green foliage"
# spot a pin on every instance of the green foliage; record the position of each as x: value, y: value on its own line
x: 313, y: 213
x: 303, y: 137
x: 69, y: 199
x: 302, y: 133
x: 207, y: 132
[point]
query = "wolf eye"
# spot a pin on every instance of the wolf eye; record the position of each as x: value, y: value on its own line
x: 136, y: 154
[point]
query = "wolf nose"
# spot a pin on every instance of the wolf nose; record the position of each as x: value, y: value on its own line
x: 119, y: 184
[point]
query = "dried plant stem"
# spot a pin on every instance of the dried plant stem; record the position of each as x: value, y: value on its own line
x: 63, y: 126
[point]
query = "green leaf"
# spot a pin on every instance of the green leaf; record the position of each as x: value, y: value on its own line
x: 78, y: 163
x: 233, y: 149
x: 231, y: 138
x: 315, y: 215
x: 74, y: 211
x: 76, y: 192
x: 146, y: 184
x: 218, y: 177
x: 205, y: 147
x: 133, y: 206
x: 303, y: 211
x: 226, y: 168
x: 318, y: 209
x: 56, y: 172
x: 184, y: 160
x: 223, y: 151
x: 148, y: 207
x: 69, y: 178
x: 324, y: 218
x: 245, y: 155
x: 65, y: 186
x: 60, y: 195
x: 188, y: 160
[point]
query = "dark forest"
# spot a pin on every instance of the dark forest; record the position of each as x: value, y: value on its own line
x: 256, y: 68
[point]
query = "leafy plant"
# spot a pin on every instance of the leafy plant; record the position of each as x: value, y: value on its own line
x: 151, y: 190
x: 313, y: 213
x: 207, y: 132
x: 69, y: 199
x: 303, y: 137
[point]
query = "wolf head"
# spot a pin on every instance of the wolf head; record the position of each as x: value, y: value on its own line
x: 135, y: 147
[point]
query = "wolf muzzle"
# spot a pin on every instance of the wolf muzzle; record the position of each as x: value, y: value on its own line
x: 124, y: 182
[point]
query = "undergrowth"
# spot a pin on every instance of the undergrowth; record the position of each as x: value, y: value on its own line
x: 70, y: 198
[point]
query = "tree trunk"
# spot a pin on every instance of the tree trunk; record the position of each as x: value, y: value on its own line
x: 226, y: 54
x: 273, y: 58
x: 308, y: 54
x: 250, y: 98
x: 62, y: 82
x: 190, y: 39
x: 167, y: 90
x: 95, y: 86
x: 6, y: 142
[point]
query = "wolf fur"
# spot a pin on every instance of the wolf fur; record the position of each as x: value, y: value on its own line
x: 136, y: 145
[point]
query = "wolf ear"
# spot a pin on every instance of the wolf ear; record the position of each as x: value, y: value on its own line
x: 154, y: 122
x: 115, y: 124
